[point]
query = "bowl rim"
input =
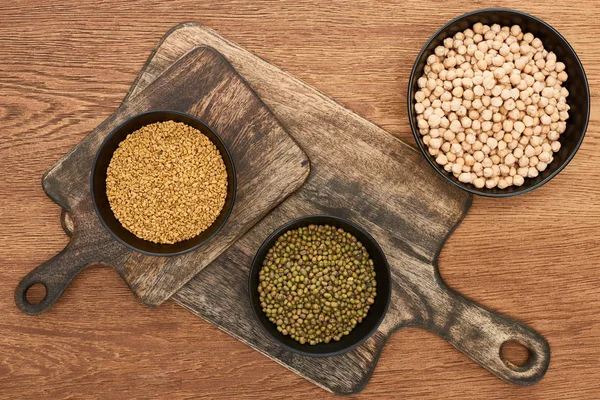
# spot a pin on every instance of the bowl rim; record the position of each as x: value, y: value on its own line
x: 269, y: 241
x: 417, y: 136
x: 227, y: 154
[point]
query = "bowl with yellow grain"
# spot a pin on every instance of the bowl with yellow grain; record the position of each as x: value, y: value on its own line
x: 163, y: 183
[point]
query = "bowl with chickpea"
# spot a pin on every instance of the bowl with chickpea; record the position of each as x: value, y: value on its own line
x: 498, y: 102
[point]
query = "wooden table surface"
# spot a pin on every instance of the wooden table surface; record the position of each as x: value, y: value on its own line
x: 65, y: 66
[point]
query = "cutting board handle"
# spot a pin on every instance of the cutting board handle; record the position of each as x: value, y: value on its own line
x: 55, y: 275
x: 481, y: 333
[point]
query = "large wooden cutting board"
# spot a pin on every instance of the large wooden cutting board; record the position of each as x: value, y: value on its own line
x: 269, y: 167
x: 362, y: 173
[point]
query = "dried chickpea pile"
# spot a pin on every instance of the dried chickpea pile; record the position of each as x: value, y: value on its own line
x: 317, y: 283
x: 166, y: 182
x: 491, y: 105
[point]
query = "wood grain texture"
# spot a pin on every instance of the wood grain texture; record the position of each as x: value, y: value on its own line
x: 269, y: 166
x: 64, y: 68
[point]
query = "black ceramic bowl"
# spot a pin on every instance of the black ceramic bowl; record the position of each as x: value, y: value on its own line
x: 98, y: 185
x: 577, y: 85
x: 363, y: 330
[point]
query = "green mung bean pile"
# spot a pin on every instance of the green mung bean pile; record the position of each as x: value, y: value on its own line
x: 317, y: 283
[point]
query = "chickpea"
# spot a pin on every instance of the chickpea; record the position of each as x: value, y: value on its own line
x: 478, y: 155
x: 541, y: 166
x: 518, y: 152
x: 497, y: 101
x: 523, y: 161
x: 489, y: 83
x: 510, y: 159
x: 442, y: 159
x: 435, y: 143
x: 536, y: 140
x: 490, y: 183
x: 532, y: 172
x: 478, y: 90
x: 469, y: 160
x: 510, y: 105
x: 518, y: 180
x: 492, y: 143
x: 498, y: 60
x: 465, y: 177
x: 479, y: 183
x: 456, y: 170
x: 529, y: 151
x: 487, y: 126
x: 519, y: 126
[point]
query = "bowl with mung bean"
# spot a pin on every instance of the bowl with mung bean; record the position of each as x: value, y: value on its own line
x: 498, y: 102
x: 163, y: 183
x: 320, y: 285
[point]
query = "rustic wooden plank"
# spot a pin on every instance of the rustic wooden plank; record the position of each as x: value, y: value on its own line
x: 269, y: 167
x: 64, y: 68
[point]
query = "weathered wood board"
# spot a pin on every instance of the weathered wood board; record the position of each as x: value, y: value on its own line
x: 269, y: 167
x: 362, y: 173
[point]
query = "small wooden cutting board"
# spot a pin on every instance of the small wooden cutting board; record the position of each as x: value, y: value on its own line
x: 269, y: 164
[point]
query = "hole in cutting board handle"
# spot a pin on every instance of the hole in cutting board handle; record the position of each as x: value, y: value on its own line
x: 36, y: 293
x: 516, y: 355
x: 51, y: 277
x: 33, y: 295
